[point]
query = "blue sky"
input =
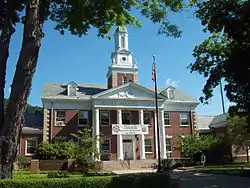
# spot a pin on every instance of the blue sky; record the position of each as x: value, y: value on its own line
x: 86, y: 60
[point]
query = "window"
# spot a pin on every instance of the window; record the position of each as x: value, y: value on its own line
x: 123, y: 41
x: 184, y: 118
x: 31, y: 144
x: 166, y: 118
x: 146, y: 117
x: 168, y: 144
x: 104, y: 118
x: 148, y: 145
x: 60, y: 118
x: 126, y: 117
x: 105, y: 146
x: 125, y: 80
x: 83, y: 117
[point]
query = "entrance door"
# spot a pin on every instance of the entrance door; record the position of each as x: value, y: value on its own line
x: 128, y: 149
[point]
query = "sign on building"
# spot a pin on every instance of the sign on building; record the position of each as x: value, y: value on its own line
x: 129, y: 129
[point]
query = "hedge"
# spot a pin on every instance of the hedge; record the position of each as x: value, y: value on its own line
x: 145, y: 180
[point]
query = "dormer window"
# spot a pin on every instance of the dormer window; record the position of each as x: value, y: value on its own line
x: 170, y: 93
x: 72, y: 88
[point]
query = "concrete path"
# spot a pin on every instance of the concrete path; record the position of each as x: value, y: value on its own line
x: 202, y: 180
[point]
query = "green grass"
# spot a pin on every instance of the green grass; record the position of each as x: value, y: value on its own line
x: 20, y: 174
x: 230, y: 169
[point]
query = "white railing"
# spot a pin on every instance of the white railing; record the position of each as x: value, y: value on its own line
x: 132, y: 129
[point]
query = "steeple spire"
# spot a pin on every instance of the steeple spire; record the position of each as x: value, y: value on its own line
x: 121, y: 39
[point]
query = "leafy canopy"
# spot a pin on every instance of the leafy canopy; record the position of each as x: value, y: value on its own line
x: 79, y: 16
x: 226, y: 52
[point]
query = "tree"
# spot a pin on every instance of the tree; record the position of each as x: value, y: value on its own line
x: 238, y: 133
x: 77, y: 17
x: 225, y: 53
x: 192, y: 146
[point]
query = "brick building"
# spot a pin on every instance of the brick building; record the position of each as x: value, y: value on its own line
x: 122, y: 112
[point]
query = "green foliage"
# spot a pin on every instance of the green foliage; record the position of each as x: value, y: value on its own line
x: 86, y: 150
x: 29, y: 110
x: 22, y: 162
x: 192, y: 145
x: 58, y: 174
x: 225, y: 54
x: 145, y: 180
x: 59, y: 150
x: 238, y: 131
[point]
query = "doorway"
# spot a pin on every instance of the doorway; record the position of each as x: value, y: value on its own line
x: 128, y: 149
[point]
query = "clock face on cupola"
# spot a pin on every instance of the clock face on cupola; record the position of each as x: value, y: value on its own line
x: 123, y: 59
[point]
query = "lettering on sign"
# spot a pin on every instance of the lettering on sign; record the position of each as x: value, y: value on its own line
x: 129, y: 129
x: 126, y: 103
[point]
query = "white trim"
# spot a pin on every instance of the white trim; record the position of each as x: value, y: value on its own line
x: 184, y: 125
x: 63, y: 123
x: 25, y: 149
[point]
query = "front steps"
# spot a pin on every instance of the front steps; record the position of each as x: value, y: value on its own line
x: 134, y: 165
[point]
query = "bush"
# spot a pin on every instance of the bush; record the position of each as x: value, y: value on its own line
x: 146, y: 180
x: 22, y: 162
x: 58, y: 174
x: 52, y: 151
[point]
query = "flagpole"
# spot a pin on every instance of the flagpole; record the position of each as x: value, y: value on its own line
x: 156, y: 111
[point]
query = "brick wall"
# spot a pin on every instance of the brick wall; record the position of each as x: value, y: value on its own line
x: 176, y: 130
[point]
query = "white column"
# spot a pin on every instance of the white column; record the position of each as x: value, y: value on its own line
x: 142, y: 138
x: 119, y: 137
x: 163, y: 135
x: 97, y: 129
x: 156, y: 141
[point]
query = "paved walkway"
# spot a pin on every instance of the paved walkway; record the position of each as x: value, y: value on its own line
x: 202, y: 180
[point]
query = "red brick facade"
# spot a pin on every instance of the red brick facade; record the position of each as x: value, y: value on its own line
x: 22, y: 149
x: 175, y: 130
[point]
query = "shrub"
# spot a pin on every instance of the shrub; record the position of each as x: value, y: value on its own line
x: 58, y: 174
x: 59, y: 150
x: 22, y: 162
x: 146, y: 180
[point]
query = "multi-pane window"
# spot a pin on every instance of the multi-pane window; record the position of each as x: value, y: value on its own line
x: 146, y: 118
x: 60, y: 118
x: 168, y: 144
x: 184, y: 118
x: 148, y: 145
x: 31, y: 144
x: 105, y: 146
x: 83, y: 117
x: 126, y: 117
x: 166, y: 118
x: 104, y: 118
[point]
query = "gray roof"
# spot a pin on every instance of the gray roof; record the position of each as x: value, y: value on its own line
x: 207, y: 122
x: 33, y: 123
x: 85, y: 91
x: 203, y: 122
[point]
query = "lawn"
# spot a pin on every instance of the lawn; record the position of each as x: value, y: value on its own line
x: 21, y: 174
x: 230, y: 169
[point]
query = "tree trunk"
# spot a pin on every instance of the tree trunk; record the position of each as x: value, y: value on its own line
x: 21, y: 85
x: 6, y: 33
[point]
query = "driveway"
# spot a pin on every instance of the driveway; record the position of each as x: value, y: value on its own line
x: 203, y: 180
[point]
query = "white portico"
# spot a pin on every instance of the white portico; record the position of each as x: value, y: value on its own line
x: 130, y: 96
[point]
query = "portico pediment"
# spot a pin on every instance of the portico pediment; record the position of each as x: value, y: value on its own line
x: 128, y: 91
